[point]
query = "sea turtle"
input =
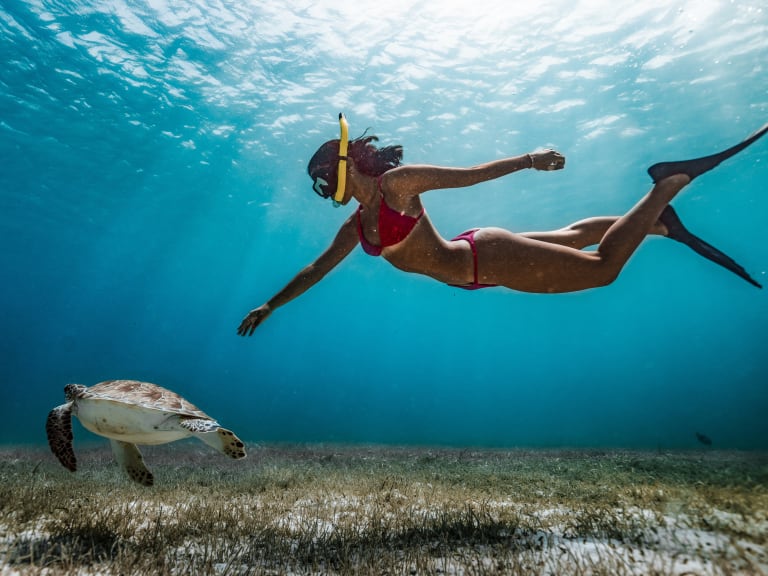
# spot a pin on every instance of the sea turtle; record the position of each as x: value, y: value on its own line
x: 129, y: 412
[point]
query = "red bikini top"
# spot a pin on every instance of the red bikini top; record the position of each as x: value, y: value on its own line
x: 394, y: 227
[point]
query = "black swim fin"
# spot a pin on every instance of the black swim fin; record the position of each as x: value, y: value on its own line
x: 697, y: 166
x: 676, y: 231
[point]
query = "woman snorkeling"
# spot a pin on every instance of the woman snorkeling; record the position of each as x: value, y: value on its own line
x: 391, y: 222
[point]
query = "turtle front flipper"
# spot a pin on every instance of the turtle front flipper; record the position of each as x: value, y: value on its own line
x: 214, y: 435
x: 58, y: 427
x: 131, y: 460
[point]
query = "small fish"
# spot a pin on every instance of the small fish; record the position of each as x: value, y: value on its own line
x: 706, y: 440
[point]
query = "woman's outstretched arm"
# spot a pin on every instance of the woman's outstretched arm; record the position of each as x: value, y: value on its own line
x: 342, y: 245
x: 415, y: 179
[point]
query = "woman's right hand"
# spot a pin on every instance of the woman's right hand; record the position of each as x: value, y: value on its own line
x: 253, y: 319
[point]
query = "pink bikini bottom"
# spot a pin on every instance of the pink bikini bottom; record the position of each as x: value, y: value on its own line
x: 469, y: 236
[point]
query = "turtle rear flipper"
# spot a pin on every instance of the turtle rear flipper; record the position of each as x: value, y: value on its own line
x: 131, y: 460
x: 214, y: 435
x: 58, y: 427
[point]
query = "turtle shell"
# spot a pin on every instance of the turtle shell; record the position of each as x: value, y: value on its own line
x: 144, y: 395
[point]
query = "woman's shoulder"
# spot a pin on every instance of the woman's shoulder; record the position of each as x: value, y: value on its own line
x: 411, y: 180
x: 395, y: 182
x: 406, y: 175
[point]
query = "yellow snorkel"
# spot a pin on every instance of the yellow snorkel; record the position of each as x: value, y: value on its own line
x: 341, y: 186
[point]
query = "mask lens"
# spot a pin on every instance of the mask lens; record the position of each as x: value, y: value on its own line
x: 324, y: 184
x: 321, y: 187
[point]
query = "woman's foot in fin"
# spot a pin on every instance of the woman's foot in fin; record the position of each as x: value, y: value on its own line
x: 676, y: 231
x: 697, y: 166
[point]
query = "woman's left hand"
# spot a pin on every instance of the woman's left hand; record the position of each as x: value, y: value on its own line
x: 547, y: 160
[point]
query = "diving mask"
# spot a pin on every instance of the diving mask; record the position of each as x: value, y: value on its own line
x: 323, y: 186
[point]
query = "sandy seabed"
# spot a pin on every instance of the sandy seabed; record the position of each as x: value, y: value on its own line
x: 326, y: 509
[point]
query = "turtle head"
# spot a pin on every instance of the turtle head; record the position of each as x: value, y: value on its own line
x: 72, y: 391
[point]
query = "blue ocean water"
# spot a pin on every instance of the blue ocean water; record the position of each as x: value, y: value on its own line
x: 153, y: 190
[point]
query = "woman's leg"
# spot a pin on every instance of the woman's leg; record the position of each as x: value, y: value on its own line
x: 550, y: 264
x: 584, y: 233
x: 589, y: 232
x: 623, y: 238
x: 532, y: 265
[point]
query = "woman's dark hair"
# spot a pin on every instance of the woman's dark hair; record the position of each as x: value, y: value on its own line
x: 368, y: 158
